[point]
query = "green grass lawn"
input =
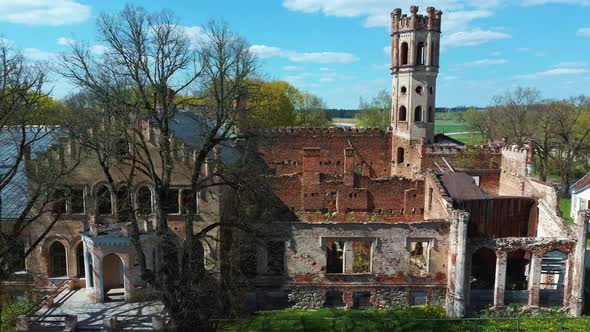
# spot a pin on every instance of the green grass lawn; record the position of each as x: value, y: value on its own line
x: 403, y: 319
x: 564, y: 207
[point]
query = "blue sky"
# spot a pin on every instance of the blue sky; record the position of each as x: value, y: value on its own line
x: 337, y: 49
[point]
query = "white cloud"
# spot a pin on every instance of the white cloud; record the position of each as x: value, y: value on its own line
x: 98, y: 49
x: 195, y: 34
x: 531, y: 51
x: 37, y: 54
x: 65, y: 41
x: 292, y: 68
x: 472, y: 38
x: 381, y: 66
x: 554, y: 72
x: 544, y: 2
x: 324, y: 69
x: 45, y: 12
x: 387, y: 50
x: 264, y: 51
x: 583, y: 32
x: 458, y: 17
x: 570, y: 64
x: 496, y: 53
x: 484, y: 62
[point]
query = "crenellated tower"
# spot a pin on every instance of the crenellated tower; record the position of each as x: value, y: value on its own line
x: 415, y: 46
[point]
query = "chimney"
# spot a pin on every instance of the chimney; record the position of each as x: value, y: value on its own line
x: 349, y: 167
x: 242, y: 111
x: 311, y: 166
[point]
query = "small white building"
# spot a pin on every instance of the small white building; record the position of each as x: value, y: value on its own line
x: 580, y: 195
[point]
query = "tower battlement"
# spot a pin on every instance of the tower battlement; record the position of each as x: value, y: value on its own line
x: 401, y: 23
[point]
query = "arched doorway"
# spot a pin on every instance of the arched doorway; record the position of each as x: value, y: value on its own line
x: 113, y: 276
x: 57, y: 254
x: 80, y: 260
x: 483, y: 275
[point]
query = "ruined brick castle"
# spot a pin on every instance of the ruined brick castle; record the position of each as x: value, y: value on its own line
x: 371, y: 218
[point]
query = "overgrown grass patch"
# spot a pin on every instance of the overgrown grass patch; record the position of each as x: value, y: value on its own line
x: 426, y: 318
x: 564, y: 207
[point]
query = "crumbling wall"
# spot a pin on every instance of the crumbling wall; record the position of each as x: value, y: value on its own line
x: 437, y: 201
x: 281, y: 149
x: 513, y: 171
x: 550, y: 224
x: 390, y: 256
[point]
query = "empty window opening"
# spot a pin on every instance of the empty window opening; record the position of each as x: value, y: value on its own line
x: 77, y: 201
x: 430, y: 192
x: 420, y: 53
x: 404, y: 54
x: 247, y: 256
x: 80, y: 260
x: 403, y: 90
x: 419, y: 258
x: 275, y: 257
x: 361, y: 300
x: 430, y: 114
x: 362, y: 257
x: 121, y: 149
x: 403, y: 114
x: 59, y: 201
x: 517, y: 270
x: 419, y: 89
x: 57, y: 252
x: 483, y: 269
x: 418, y: 114
x: 417, y: 298
x: 431, y: 90
x: 334, y: 300
x: 103, y: 200
x: 170, y: 203
x: 335, y: 257
x: 144, y: 200
x: 400, y: 155
x: 553, y: 270
x: 189, y: 201
x: 124, y: 207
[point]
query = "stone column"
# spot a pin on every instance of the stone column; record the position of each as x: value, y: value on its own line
x: 461, y: 218
x: 98, y: 282
x: 128, y: 277
x: 87, y: 269
x: 534, y: 280
x: 500, y: 280
x: 348, y: 257
x: 578, y: 262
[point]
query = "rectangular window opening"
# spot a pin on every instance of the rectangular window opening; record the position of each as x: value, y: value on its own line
x: 77, y: 201
x: 362, y: 257
x: 334, y: 300
x: 361, y: 300
x: 335, y: 257
x: 417, y: 297
x: 419, y: 260
x: 275, y: 257
x: 171, y: 202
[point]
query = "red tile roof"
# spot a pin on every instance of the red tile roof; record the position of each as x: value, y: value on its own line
x: 582, y: 183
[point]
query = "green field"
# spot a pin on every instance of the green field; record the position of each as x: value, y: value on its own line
x: 451, y: 126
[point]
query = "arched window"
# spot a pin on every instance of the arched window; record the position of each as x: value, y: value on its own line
x: 430, y: 114
x: 404, y: 54
x: 400, y: 155
x: 144, y: 200
x: 80, y: 260
x: 57, y: 254
x: 402, y: 114
x: 103, y: 200
x: 420, y: 53
x: 124, y: 207
x: 418, y: 114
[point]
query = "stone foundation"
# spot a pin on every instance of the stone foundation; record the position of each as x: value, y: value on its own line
x: 307, y: 298
x: 388, y: 298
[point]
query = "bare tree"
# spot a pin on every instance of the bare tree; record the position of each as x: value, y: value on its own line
x: 149, y: 65
x: 571, y: 119
x: 512, y: 113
